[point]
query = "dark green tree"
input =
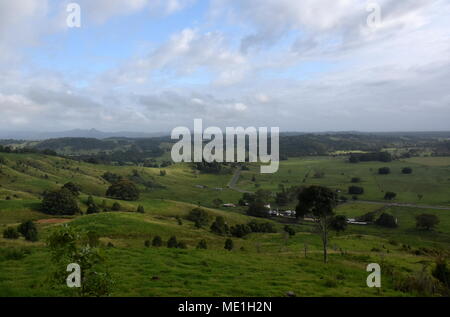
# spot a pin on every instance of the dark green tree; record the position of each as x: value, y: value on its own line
x: 28, y: 230
x: 123, y: 190
x: 387, y: 220
x: 157, y: 242
x: 199, y: 216
x: 116, y: 207
x: 390, y: 195
x: 140, y: 209
x: 427, y: 221
x: 11, y: 233
x: 219, y: 226
x: 92, y: 209
x: 229, y: 245
x: 339, y: 223
x: 202, y: 244
x: 407, y: 170
x: 73, y: 188
x: 355, y: 190
x: 60, y: 202
x: 172, y: 243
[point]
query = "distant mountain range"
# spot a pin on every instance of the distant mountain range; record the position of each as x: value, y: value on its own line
x: 77, y: 133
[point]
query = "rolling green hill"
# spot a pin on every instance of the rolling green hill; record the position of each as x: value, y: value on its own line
x: 261, y: 264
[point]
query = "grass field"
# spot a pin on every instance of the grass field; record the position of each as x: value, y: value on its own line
x: 259, y: 265
x: 428, y: 184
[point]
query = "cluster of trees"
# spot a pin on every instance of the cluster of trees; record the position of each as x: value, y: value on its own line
x: 27, y: 229
x: 62, y: 201
x: 10, y: 149
x: 241, y: 230
x: 370, y: 157
x: 213, y: 167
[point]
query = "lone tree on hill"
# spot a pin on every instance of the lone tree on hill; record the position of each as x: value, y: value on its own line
x: 123, y: 190
x: 318, y: 202
x: 390, y: 196
x: 427, y: 221
x: 407, y: 170
x: 28, y: 230
x: 60, y: 202
x: 229, y: 245
x: 387, y: 220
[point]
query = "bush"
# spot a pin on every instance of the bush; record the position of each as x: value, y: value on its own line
x: 219, y: 226
x: 355, y: 190
x: 202, y: 245
x: 140, y: 209
x: 60, y: 202
x: 181, y: 245
x: 356, y: 180
x: 240, y: 230
x: 387, y: 220
x: 172, y: 243
x: 427, y: 221
x: 229, y: 245
x: 28, y: 230
x: 407, y: 170
x: 199, y: 216
x: 147, y: 243
x: 390, y: 196
x: 339, y: 223
x: 442, y: 272
x: 10, y: 233
x: 123, y: 190
x: 116, y: 207
x: 157, y: 242
x: 384, y: 171
x: 73, y: 188
x: 289, y: 230
x: 92, y: 209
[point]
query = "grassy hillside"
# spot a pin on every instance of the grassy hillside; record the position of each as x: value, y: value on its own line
x: 261, y: 264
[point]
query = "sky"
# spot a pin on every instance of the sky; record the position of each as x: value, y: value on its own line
x: 153, y: 65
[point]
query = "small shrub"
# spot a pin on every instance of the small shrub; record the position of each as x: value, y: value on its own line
x: 202, y: 245
x: 157, y: 242
x: 289, y: 230
x: 28, y: 230
x: 229, y: 245
x: 147, y: 243
x: 172, y: 243
x: 11, y: 233
x: 116, y: 207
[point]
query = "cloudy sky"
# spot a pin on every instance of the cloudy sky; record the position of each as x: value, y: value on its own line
x: 152, y: 65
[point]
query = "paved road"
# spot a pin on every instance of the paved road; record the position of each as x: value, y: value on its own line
x: 234, y: 180
x: 400, y: 205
